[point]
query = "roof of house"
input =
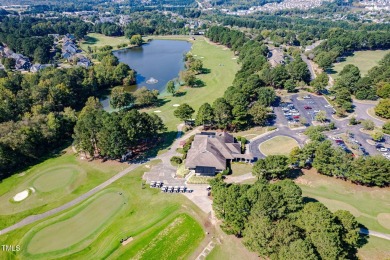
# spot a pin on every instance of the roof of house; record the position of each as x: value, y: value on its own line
x: 213, y: 149
x: 204, y: 152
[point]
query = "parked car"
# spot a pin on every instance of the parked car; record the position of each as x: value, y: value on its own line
x: 306, y: 97
x: 296, y: 117
x: 307, y: 107
x: 383, y: 149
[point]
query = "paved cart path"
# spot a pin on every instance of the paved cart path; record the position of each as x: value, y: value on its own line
x: 34, y: 218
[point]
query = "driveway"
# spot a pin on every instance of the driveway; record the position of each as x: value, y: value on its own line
x: 361, y: 111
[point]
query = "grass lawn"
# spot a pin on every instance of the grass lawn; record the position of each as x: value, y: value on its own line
x: 371, y: 206
x: 240, y: 168
x: 70, y: 230
x: 100, y: 40
x: 56, y: 181
x: 215, y: 82
x: 173, y: 240
x: 364, y: 60
x: 251, y: 133
x: 145, y: 211
x: 229, y: 247
x: 278, y: 145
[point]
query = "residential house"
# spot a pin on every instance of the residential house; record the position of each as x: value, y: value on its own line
x: 84, y: 61
x: 37, y: 67
x: 210, y: 152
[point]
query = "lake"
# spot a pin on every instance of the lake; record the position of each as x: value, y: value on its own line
x: 161, y: 60
x: 158, y: 59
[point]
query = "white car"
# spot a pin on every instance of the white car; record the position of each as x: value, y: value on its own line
x: 306, y: 97
x: 295, y: 114
x: 383, y: 149
x: 316, y: 111
x: 287, y: 114
x: 329, y: 106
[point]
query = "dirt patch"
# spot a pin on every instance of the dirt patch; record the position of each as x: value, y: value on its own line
x: 384, y: 219
x: 127, y: 241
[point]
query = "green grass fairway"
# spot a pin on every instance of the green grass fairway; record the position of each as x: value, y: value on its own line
x: 56, y: 181
x: 100, y: 40
x: 278, y: 145
x: 76, y: 225
x: 371, y: 207
x: 146, y: 213
x: 216, y: 82
x: 364, y: 60
x: 56, y: 178
x: 174, y: 240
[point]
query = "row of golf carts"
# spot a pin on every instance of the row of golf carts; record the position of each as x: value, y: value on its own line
x: 170, y: 189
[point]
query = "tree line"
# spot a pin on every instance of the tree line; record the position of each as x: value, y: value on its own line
x: 29, y: 35
x: 341, y: 42
x: 376, y: 84
x: 331, y: 161
x: 38, y: 111
x: 246, y: 103
x: 275, y: 222
x: 111, y: 135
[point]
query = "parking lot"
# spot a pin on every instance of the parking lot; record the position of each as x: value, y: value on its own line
x: 308, y: 106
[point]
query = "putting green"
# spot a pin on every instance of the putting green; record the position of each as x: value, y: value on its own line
x: 278, y: 145
x: 56, y: 178
x: 77, y: 225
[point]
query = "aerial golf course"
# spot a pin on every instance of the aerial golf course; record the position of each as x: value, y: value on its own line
x: 166, y: 226
x: 154, y: 225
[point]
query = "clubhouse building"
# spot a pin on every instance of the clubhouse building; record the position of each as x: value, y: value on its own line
x: 210, y: 153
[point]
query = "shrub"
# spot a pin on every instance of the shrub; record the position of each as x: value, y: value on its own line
x: 353, y: 121
x: 386, y: 128
x: 176, y: 160
x: 368, y: 125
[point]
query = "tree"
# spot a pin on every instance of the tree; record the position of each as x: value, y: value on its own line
x: 196, y: 66
x: 368, y: 124
x: 371, y: 170
x: 386, y: 128
x: 205, y: 115
x: 145, y: 97
x: 290, y: 86
x: 350, y: 233
x: 320, y: 82
x: 266, y: 96
x: 184, y: 112
x: 120, y: 98
x: 272, y: 167
x: 321, y: 116
x: 259, y: 114
x: 40, y: 55
x: 377, y: 136
x: 324, y: 234
x: 136, y: 40
x: 298, y: 70
x: 188, y: 77
x: 353, y: 121
x: 171, y: 87
x: 383, y: 89
x: 383, y: 108
x: 222, y: 113
x: 298, y: 249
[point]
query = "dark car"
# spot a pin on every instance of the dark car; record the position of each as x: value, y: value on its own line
x: 307, y: 107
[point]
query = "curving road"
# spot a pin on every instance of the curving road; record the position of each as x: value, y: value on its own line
x: 281, y: 131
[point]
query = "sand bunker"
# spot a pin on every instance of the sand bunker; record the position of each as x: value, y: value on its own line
x: 176, y: 105
x: 157, y: 111
x: 234, y: 58
x: 21, y: 195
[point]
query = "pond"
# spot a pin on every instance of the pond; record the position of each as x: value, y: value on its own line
x: 156, y: 63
